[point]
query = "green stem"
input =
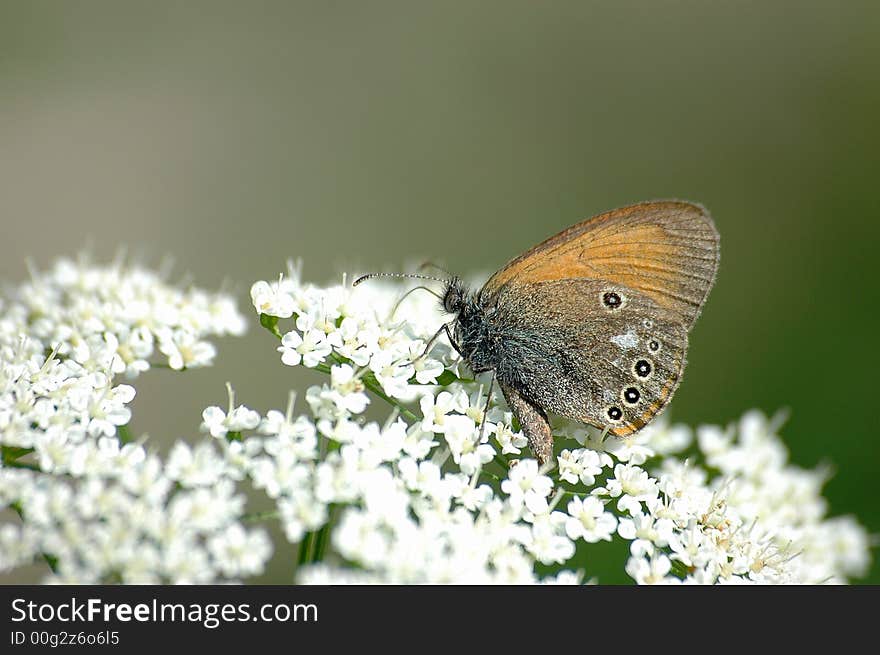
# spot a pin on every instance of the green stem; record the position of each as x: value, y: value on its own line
x: 376, y: 389
x: 261, y: 516
x: 496, y: 478
x: 271, y: 324
x: 50, y: 560
x: 324, y: 536
x: 305, y: 549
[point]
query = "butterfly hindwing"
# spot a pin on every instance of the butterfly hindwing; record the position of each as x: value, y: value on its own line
x: 589, y: 350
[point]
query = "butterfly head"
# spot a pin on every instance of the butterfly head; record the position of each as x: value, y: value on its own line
x: 454, y: 295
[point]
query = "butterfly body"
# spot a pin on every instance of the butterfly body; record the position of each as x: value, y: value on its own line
x: 592, y: 324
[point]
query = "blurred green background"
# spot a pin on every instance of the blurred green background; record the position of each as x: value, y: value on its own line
x: 365, y: 135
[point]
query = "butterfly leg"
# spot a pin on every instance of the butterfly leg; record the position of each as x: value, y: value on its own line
x: 451, y: 338
x: 431, y: 343
x: 533, y: 421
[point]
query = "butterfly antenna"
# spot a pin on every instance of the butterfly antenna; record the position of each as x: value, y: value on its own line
x: 421, y: 287
x: 415, y: 276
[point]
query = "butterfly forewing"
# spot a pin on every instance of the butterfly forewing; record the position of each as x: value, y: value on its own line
x: 667, y: 250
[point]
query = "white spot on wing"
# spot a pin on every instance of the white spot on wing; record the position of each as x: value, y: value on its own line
x: 625, y: 341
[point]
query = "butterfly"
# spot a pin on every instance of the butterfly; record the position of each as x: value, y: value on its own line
x: 591, y: 324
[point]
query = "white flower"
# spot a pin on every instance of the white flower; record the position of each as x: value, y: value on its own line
x: 241, y: 418
x: 298, y: 435
x: 645, y: 532
x: 186, y: 562
x: 435, y: 410
x: 426, y: 368
x: 474, y: 405
x: 350, y: 390
x: 239, y: 553
x: 581, y: 465
x: 203, y: 509
x: 384, y: 497
x: 511, y: 442
x: 185, y: 350
x: 589, y: 520
x: 691, y: 546
x: 393, y: 374
x: 474, y: 497
x: 419, y: 476
x: 343, y: 398
x: 147, y: 480
x: 282, y: 474
x: 218, y: 424
x: 418, y: 443
x: 547, y: 544
x: 849, y: 543
x: 564, y: 578
x: 631, y: 485
x: 650, y: 571
x: 136, y: 345
x: 462, y: 436
x: 630, y: 449
x: 526, y: 486
x: 18, y: 546
x: 53, y: 451
x: 301, y: 512
x: 310, y: 348
x: 272, y: 299
x: 666, y: 439
x: 357, y: 341
x: 194, y: 467
x: 360, y: 537
x: 108, y: 410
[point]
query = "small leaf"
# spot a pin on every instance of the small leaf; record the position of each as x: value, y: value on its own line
x: 446, y: 378
x: 12, y: 453
x: 123, y: 434
x: 271, y: 324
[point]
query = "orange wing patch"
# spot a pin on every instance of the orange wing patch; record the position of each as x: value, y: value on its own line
x: 669, y: 250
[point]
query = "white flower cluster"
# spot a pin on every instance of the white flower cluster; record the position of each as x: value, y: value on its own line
x: 95, y: 506
x: 438, y: 490
x: 67, y: 334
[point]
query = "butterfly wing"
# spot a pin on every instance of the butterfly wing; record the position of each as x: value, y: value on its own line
x: 666, y: 249
x: 567, y: 352
x: 594, y: 321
